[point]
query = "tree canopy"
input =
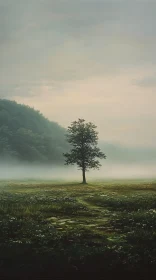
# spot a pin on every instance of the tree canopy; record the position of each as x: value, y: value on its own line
x: 27, y: 135
x: 83, y: 138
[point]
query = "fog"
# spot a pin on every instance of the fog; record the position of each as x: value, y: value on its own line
x: 20, y: 171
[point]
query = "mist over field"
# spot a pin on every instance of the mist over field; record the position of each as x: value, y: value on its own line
x: 23, y: 171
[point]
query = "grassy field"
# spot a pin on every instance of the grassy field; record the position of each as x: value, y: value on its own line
x: 51, y: 230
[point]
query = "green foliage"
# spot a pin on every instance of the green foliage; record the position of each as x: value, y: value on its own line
x: 27, y: 135
x: 84, y: 139
x: 102, y: 227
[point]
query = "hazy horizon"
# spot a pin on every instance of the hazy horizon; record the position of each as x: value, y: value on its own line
x: 43, y: 172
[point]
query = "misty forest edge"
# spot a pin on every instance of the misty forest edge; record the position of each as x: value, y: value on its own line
x: 25, y: 134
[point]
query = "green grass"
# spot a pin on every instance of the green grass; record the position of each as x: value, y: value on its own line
x: 49, y: 229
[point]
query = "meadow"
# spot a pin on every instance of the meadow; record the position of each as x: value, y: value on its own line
x: 50, y: 230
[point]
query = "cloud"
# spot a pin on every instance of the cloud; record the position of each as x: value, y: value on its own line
x: 122, y: 111
x: 147, y: 82
x: 72, y: 40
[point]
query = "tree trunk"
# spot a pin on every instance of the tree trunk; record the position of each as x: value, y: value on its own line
x: 84, y: 176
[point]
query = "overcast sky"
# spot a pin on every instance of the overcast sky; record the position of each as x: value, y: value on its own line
x: 91, y: 59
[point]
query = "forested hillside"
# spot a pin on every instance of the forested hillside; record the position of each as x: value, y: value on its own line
x: 27, y: 135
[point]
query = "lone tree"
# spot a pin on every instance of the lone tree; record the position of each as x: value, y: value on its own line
x: 84, y: 152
